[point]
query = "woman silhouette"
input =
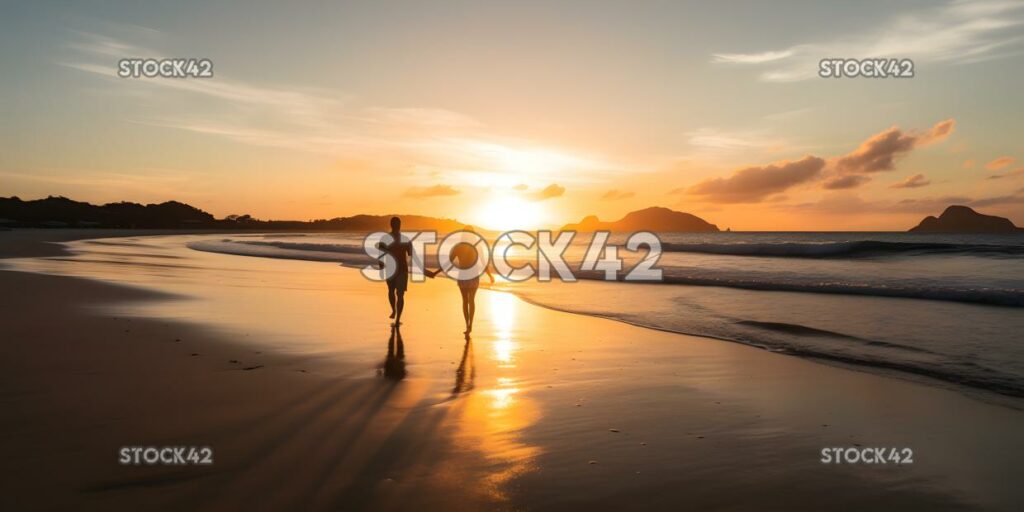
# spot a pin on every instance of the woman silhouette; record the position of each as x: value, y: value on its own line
x: 465, y: 257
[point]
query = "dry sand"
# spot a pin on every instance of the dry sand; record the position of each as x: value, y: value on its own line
x: 540, y: 411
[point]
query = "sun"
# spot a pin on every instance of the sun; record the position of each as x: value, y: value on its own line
x: 506, y: 213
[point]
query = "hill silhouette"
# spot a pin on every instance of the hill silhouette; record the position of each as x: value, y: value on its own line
x: 962, y: 219
x: 655, y: 218
x: 54, y: 212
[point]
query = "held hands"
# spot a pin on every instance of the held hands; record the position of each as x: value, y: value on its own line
x: 432, y: 273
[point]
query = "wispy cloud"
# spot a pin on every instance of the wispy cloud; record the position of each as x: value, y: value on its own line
x: 958, y: 32
x: 150, y: 184
x: 718, y: 140
x: 845, y: 182
x: 327, y: 122
x: 616, y: 195
x: 787, y: 114
x: 754, y: 184
x: 549, y: 192
x: 1016, y: 172
x: 1000, y: 163
x: 915, y: 181
x: 432, y: 191
x: 753, y: 58
x: 845, y: 203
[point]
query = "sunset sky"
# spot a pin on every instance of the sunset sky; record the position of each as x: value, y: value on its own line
x: 542, y: 111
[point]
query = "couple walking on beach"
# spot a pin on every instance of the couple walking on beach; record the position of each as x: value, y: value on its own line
x: 463, y: 256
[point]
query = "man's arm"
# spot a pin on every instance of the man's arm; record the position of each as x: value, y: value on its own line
x: 380, y: 259
x: 413, y: 262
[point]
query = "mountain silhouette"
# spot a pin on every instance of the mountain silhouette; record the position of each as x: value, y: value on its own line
x: 63, y: 212
x: 961, y: 219
x: 655, y: 218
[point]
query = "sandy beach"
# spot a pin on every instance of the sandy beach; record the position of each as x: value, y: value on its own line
x: 289, y: 372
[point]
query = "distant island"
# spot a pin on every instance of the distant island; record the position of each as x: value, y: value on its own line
x: 61, y: 212
x: 655, y: 218
x: 962, y: 219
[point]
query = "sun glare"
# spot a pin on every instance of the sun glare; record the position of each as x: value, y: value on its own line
x: 506, y: 213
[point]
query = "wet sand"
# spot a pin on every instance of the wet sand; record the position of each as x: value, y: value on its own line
x: 288, y: 370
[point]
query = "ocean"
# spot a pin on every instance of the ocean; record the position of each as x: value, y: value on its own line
x: 944, y: 307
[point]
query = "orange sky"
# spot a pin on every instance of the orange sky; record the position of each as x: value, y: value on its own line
x: 524, y: 116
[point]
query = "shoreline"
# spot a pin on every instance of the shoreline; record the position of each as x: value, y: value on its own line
x: 47, y: 243
x: 548, y: 387
x: 982, y: 394
x: 1007, y: 396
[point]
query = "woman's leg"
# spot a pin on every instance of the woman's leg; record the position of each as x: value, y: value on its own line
x: 472, y: 306
x: 465, y: 307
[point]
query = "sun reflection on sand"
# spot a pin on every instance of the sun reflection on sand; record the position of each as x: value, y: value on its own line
x: 491, y: 421
x: 503, y: 308
x: 502, y: 311
x: 306, y: 308
x: 503, y: 395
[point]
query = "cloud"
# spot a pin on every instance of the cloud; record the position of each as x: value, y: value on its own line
x: 549, y: 192
x: 879, y: 152
x: 915, y: 181
x: 940, y: 131
x: 755, y: 58
x: 615, y: 195
x: 957, y: 32
x: 845, y: 182
x: 329, y: 122
x: 156, y: 184
x: 712, y: 139
x: 1015, y: 198
x: 1000, y: 163
x: 920, y: 205
x: 787, y: 114
x: 432, y: 191
x: 1016, y: 172
x: 968, y: 164
x: 846, y: 203
x: 754, y: 184
x: 420, y: 117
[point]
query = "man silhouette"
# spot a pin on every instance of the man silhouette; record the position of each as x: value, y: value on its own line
x: 394, y: 364
x: 401, y: 251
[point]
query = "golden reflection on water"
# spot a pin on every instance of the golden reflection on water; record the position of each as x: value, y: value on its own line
x: 491, y: 421
x: 502, y: 307
x: 504, y: 394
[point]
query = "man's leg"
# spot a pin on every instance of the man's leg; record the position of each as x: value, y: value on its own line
x: 399, y: 304
x: 391, y: 298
